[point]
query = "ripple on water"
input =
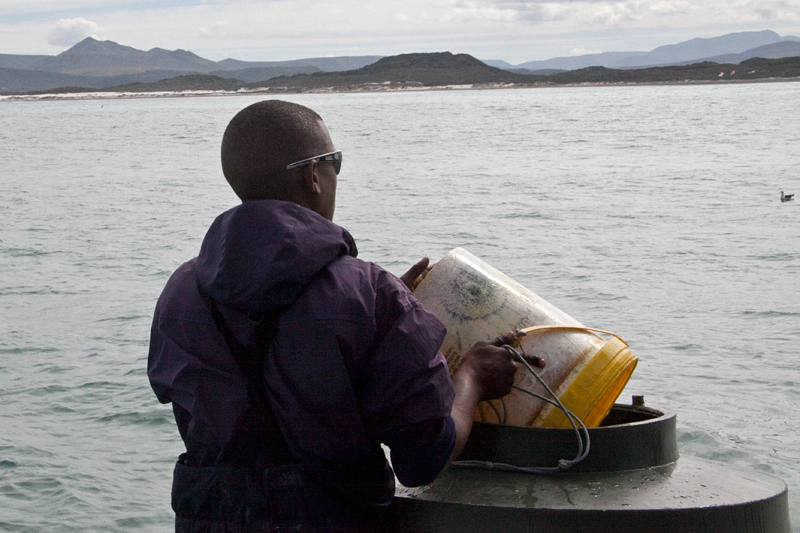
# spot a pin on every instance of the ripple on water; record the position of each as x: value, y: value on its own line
x: 20, y: 350
x: 771, y: 314
x: 685, y: 347
x: 29, y: 252
x: 11, y: 527
x: 140, y: 418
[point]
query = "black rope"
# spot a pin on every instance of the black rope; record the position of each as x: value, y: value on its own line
x: 581, y: 433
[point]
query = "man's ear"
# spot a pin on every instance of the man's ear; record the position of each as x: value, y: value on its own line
x: 311, y: 178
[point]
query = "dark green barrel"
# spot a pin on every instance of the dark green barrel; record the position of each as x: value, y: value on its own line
x: 632, y: 480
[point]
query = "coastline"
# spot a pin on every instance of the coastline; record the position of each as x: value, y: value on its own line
x: 363, y: 88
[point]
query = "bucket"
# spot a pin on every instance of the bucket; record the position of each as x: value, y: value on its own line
x: 585, y: 369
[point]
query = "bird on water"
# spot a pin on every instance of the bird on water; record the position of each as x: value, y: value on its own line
x: 786, y: 197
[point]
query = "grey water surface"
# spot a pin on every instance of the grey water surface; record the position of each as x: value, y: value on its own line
x: 651, y: 211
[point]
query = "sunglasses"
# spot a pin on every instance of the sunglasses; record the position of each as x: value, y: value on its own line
x: 335, y: 157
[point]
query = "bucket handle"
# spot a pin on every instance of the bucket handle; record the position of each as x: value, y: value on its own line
x: 553, y: 327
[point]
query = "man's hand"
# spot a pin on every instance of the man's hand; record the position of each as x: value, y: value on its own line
x: 415, y: 274
x: 486, y: 373
x: 490, y: 367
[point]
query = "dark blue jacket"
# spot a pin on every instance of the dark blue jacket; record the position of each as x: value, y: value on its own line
x: 355, y: 363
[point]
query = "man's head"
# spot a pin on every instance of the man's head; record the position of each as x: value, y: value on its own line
x: 262, y: 139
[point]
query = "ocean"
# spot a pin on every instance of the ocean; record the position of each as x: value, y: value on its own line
x: 650, y: 211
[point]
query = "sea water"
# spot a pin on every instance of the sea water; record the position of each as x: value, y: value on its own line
x: 651, y: 211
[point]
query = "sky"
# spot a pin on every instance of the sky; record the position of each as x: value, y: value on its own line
x: 273, y: 30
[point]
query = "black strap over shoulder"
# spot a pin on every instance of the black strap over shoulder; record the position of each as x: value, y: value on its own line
x: 261, y: 443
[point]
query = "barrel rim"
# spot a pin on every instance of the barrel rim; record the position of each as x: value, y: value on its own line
x: 635, y: 437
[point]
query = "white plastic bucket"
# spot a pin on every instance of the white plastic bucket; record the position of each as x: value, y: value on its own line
x: 478, y: 302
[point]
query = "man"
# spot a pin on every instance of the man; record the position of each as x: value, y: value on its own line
x: 289, y: 362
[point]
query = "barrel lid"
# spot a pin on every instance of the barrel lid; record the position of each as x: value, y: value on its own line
x: 630, y: 437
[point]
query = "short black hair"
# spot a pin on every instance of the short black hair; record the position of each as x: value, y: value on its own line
x: 261, y: 140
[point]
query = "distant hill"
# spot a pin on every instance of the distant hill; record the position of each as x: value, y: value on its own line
x: 20, y: 61
x: 769, y: 51
x: 327, y: 64
x: 691, y: 51
x: 605, y: 59
x: 440, y: 69
x: 751, y: 69
x: 99, y: 64
x: 434, y: 69
x: 24, y: 81
x: 106, y: 58
x: 446, y: 69
x: 256, y: 74
x: 540, y: 72
x: 431, y: 69
x: 14, y: 80
x: 94, y: 65
x: 191, y: 82
x: 499, y: 63
x: 696, y: 49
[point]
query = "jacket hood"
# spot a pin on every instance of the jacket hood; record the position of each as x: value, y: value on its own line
x: 260, y: 255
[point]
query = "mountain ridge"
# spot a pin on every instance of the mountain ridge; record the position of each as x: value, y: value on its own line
x: 700, y: 47
x: 443, y: 69
x: 446, y: 69
x: 777, y: 50
x: 423, y: 69
x: 97, y: 64
x: 329, y: 64
x: 694, y: 50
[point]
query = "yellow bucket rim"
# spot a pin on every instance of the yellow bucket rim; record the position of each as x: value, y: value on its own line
x: 595, y: 389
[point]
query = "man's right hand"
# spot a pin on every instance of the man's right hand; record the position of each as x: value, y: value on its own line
x: 486, y: 372
x: 491, y: 367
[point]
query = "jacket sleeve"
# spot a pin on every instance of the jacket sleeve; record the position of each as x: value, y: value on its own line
x: 419, y: 453
x: 409, y: 397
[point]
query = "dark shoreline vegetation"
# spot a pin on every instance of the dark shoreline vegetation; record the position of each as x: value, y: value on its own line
x: 443, y: 69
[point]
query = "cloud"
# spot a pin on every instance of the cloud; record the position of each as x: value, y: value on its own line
x: 671, y: 7
x: 614, y: 14
x: 594, y: 14
x: 583, y: 52
x: 546, y: 12
x: 70, y: 31
x: 780, y: 10
x: 602, y: 13
x: 259, y: 30
x: 214, y: 30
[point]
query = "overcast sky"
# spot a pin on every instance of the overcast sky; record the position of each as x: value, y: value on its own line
x: 266, y: 30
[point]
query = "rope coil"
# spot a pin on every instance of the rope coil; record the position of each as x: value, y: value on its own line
x: 582, y: 434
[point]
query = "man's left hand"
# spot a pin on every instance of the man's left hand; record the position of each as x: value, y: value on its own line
x: 415, y: 274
